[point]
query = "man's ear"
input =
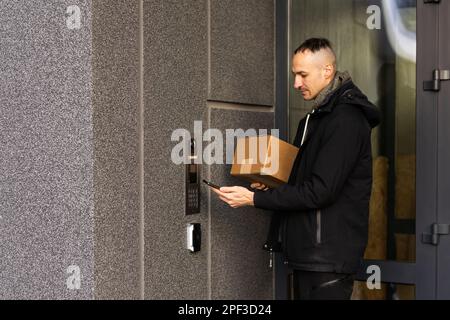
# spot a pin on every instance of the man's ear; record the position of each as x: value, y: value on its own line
x: 328, y: 71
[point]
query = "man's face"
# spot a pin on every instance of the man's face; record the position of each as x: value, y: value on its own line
x: 311, y: 73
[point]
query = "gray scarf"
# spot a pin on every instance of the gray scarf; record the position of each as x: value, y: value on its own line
x: 339, y: 79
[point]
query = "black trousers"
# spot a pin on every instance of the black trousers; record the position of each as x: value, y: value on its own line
x: 310, y: 285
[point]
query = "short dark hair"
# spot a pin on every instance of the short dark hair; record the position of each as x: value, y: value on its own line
x: 314, y: 45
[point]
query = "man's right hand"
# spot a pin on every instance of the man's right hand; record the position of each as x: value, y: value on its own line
x: 259, y: 186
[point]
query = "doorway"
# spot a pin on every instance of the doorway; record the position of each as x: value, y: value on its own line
x: 390, y: 48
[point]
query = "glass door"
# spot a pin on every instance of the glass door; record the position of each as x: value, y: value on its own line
x: 388, y: 47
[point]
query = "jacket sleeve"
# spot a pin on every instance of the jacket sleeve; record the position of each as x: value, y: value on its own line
x: 339, y: 152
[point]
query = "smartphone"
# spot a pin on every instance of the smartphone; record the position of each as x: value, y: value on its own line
x: 212, y: 185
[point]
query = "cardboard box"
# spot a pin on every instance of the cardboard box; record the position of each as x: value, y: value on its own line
x: 264, y: 159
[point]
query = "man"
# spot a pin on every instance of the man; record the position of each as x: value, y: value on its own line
x: 323, y: 210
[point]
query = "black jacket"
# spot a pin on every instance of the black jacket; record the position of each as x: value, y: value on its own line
x: 323, y: 211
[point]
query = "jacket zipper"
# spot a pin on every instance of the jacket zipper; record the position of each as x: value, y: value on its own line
x: 305, y: 130
x: 319, y: 227
x: 284, y: 240
x: 284, y: 235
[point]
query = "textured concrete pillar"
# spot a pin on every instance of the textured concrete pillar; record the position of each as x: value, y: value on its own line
x: 117, y: 130
x: 241, y: 90
x: 176, y: 69
x: 46, y: 138
x: 69, y: 195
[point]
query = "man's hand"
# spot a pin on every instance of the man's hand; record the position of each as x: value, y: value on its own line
x: 235, y: 197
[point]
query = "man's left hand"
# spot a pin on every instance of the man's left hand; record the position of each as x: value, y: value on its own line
x: 235, y: 197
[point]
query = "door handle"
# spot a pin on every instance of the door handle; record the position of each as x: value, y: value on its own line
x: 435, y: 84
x: 437, y: 230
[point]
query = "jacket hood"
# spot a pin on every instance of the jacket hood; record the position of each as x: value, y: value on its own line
x: 350, y: 94
x: 355, y: 97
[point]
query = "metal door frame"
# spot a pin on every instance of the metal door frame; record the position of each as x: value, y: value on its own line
x: 443, y: 153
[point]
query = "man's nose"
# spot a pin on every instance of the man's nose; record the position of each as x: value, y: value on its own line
x: 298, y: 84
